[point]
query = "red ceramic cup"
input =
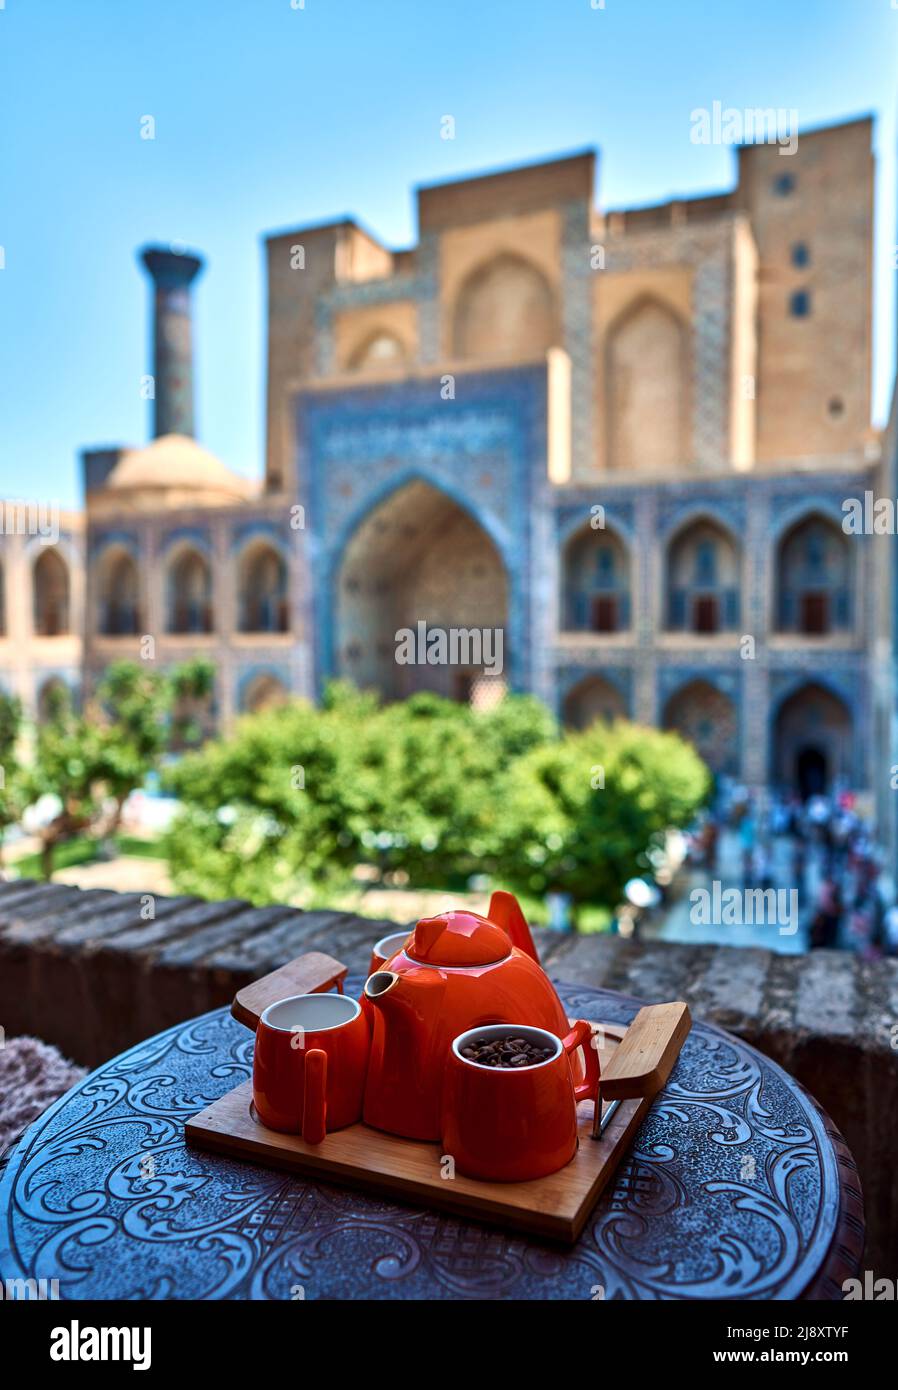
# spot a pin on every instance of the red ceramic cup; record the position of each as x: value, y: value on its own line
x: 386, y: 948
x: 310, y: 1063
x: 510, y: 1124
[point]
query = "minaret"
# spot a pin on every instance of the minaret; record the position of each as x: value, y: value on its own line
x: 172, y: 346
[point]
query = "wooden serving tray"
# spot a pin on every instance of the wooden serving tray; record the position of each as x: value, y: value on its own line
x: 556, y: 1206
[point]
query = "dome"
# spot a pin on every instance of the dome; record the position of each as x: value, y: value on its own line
x: 176, y: 463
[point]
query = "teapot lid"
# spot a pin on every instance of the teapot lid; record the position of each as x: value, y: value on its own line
x: 459, y: 939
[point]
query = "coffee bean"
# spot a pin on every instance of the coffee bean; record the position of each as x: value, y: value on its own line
x: 506, y: 1052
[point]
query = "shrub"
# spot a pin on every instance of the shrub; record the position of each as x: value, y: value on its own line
x: 579, y: 813
x: 297, y: 797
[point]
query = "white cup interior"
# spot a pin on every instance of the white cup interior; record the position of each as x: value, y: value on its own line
x: 315, y: 1013
x: 490, y: 1031
x: 389, y: 945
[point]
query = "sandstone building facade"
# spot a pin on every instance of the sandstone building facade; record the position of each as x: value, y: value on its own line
x: 622, y: 437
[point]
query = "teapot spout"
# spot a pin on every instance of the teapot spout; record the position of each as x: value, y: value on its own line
x: 505, y: 911
x: 379, y: 985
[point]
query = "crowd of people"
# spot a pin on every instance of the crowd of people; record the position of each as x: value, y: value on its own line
x: 832, y: 861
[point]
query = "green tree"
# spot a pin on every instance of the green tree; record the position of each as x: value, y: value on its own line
x: 11, y: 789
x: 86, y: 763
x: 438, y: 777
x: 277, y: 806
x: 297, y: 797
x: 192, y: 684
x: 62, y: 781
x: 580, y: 813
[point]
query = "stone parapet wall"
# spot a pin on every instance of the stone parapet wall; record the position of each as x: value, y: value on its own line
x: 93, y: 972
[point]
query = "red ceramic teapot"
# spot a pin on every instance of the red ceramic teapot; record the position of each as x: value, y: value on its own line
x: 456, y: 971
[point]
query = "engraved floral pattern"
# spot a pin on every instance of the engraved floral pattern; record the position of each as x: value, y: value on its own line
x: 730, y: 1190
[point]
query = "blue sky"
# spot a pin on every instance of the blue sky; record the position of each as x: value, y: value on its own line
x: 269, y: 117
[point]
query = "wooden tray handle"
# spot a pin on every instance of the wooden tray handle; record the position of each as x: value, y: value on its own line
x: 309, y: 974
x: 645, y: 1058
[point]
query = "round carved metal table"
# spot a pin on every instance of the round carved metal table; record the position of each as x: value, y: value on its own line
x: 737, y: 1186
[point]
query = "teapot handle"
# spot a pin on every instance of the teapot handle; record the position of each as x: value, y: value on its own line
x: 581, y: 1036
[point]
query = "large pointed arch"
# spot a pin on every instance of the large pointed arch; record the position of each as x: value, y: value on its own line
x: 417, y: 555
x: 812, y: 740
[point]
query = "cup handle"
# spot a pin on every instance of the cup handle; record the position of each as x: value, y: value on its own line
x: 314, y: 1108
x: 581, y: 1036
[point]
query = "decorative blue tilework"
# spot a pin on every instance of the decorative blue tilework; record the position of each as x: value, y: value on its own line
x: 841, y: 683
x: 427, y: 294
x: 673, y: 677
x: 65, y: 542
x: 100, y: 540
x: 577, y: 286
x: 617, y: 674
x: 420, y: 289
x: 787, y: 508
x: 573, y: 517
x: 486, y: 450
x: 676, y: 513
x: 198, y: 536
x: 262, y: 528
